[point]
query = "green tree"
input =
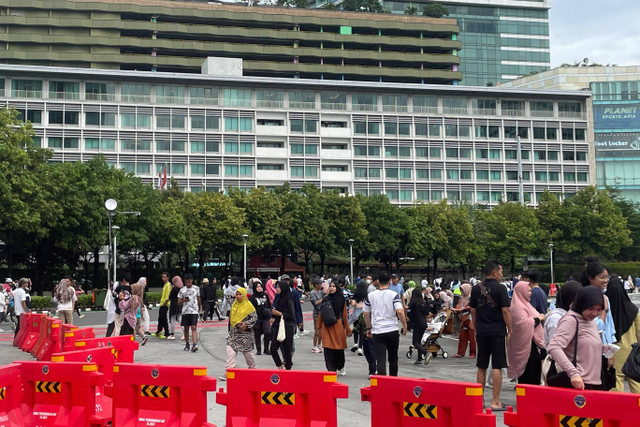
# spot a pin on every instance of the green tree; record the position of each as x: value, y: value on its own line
x: 435, y: 10
x: 631, y: 211
x: 362, y: 6
x: 411, y: 10
x: 388, y: 230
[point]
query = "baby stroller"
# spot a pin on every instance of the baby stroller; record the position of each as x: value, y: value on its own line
x: 429, y: 340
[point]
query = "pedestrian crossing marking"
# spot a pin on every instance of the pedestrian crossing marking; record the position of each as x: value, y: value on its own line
x: 570, y: 421
x: 154, y: 391
x: 278, y: 398
x: 420, y: 410
x: 48, y: 387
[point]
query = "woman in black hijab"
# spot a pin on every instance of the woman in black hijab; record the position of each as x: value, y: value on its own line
x: 261, y: 302
x: 334, y: 337
x: 283, y: 311
x: 627, y: 323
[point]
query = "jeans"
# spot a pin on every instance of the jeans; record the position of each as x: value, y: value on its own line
x: 386, y: 347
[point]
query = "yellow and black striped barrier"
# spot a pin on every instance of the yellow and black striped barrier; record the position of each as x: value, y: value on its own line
x: 154, y: 391
x: 420, y: 410
x: 570, y: 421
x: 48, y: 387
x: 277, y: 398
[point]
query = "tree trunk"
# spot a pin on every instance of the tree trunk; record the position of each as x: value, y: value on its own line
x: 513, y: 265
x: 323, y: 257
x: 435, y: 267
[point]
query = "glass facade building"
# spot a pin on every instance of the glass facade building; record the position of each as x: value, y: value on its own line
x: 411, y: 142
x: 502, y: 39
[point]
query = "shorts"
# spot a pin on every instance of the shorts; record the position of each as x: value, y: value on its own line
x: 189, y: 320
x: 494, y: 347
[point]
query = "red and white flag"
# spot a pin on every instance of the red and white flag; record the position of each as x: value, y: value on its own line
x: 164, y: 178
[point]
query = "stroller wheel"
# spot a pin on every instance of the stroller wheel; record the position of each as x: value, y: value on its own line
x: 445, y: 354
x: 409, y: 354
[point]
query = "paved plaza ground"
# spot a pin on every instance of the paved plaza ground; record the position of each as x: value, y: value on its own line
x: 351, y: 412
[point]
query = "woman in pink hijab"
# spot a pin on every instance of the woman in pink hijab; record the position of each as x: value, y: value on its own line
x: 270, y: 289
x: 527, y: 338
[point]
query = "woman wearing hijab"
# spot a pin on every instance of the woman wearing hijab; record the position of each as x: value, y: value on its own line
x: 334, y: 337
x: 270, y: 290
x: 240, y: 339
x: 627, y: 322
x: 527, y: 338
x: 418, y: 311
x: 262, y: 304
x: 130, y: 306
x: 175, y: 310
x: 283, y: 311
x: 467, y: 334
x: 587, y: 306
x: 564, y: 299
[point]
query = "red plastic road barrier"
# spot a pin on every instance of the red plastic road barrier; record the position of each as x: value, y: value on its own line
x: 51, y: 343
x: 60, y: 394
x: 34, y: 330
x: 74, y: 335
x: 42, y: 335
x: 160, y: 395
x: 260, y: 397
x: 124, y: 345
x: 105, y: 359
x: 65, y: 328
x: 10, y: 395
x: 25, y: 321
x: 551, y: 406
x: 397, y: 401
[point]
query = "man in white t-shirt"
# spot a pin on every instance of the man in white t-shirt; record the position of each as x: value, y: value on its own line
x: 189, y: 299
x: 20, y: 301
x: 382, y: 309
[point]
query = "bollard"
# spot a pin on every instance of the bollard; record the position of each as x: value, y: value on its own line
x: 10, y: 395
x: 124, y: 345
x: 160, y: 395
x: 74, y: 335
x: 51, y: 342
x: 104, y: 358
x: 540, y: 406
x: 260, y: 397
x: 60, y: 394
x: 399, y: 402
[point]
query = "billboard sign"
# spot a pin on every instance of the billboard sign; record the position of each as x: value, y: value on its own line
x: 617, y: 141
x: 617, y: 116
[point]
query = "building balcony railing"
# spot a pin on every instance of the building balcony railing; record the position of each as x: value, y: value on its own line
x: 541, y: 113
x: 512, y: 113
x: 136, y: 99
x: 64, y: 95
x: 332, y: 106
x: 364, y: 107
x: 454, y: 110
x: 100, y: 96
x: 485, y: 111
x: 26, y: 94
x: 170, y: 99
x: 269, y: 104
x: 425, y: 109
x: 302, y: 105
x: 395, y: 108
x: 196, y: 100
x: 570, y: 115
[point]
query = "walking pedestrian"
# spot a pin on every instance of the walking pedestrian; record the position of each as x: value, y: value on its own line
x: 316, y: 297
x: 334, y: 337
x: 175, y: 311
x: 65, y: 296
x: 357, y: 304
x: 163, y: 312
x: 491, y: 320
x: 189, y: 299
x: 566, y: 295
x: 79, y: 291
x: 467, y: 335
x: 240, y: 339
x: 262, y: 327
x: 20, y: 302
x: 418, y: 311
x: 123, y: 287
x: 130, y: 305
x: 283, y: 311
x: 382, y: 309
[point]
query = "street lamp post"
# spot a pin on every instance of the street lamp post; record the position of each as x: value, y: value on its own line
x: 110, y: 205
x: 351, y: 278
x: 244, y: 255
x: 115, y: 229
x: 551, y: 258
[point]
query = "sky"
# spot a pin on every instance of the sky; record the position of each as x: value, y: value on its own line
x: 606, y: 32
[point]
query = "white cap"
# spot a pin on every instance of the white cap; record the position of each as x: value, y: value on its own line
x: 8, y: 280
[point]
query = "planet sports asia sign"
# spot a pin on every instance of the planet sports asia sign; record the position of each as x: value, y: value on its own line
x: 617, y: 141
x: 616, y: 116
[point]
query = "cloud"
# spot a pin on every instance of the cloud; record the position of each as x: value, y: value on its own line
x: 604, y: 32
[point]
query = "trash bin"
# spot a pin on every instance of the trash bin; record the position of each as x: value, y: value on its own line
x: 99, y: 295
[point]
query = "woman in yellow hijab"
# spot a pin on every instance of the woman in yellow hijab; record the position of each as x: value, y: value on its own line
x: 240, y: 340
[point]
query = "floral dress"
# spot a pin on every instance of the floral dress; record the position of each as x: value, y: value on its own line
x: 241, y: 341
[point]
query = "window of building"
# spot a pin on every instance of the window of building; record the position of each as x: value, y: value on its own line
x: 435, y: 152
x: 510, y: 132
x: 406, y: 195
x: 570, y: 177
x: 482, y: 175
x: 64, y: 90
x: 434, y: 130
x: 570, y: 110
x: 270, y: 167
x: 451, y: 105
x: 197, y: 169
x: 552, y: 134
x: 421, y: 152
x: 422, y: 173
x: 100, y: 91
x: 390, y: 128
x: 212, y: 146
x: 395, y: 103
x: 495, y: 154
x: 541, y: 176
x: 203, y: 96
x: 510, y: 154
x: 512, y: 108
x: 568, y: 155
x: 390, y: 151
x: 567, y: 134
x: 425, y: 104
x: 580, y: 134
x: 333, y: 101
x: 422, y: 195
x: 484, y: 107
x: 33, y: 116
x: 375, y: 172
x: 91, y: 143
x: 108, y: 144
x: 136, y: 93
x: 297, y: 171
x: 302, y: 100
x: 26, y: 88
x: 230, y: 170
x: 311, y: 171
x: 374, y: 151
x: 436, y: 195
x: 582, y: 176
x: 197, y: 146
x: 231, y: 147
x: 212, y: 169
x: 482, y: 153
x: 391, y: 172
x: 360, y: 172
x: 453, y: 174
x: 364, y: 102
x: 451, y: 131
x: 237, y: 97
x: 405, y: 173
x: 335, y: 168
x: 269, y: 98
x: 495, y: 175
x: 494, y: 131
x: 451, y: 153
x: 482, y: 131
x: 482, y: 196
x: 436, y: 174
x: 581, y: 156
x: 539, y: 133
x: 170, y: 95
x: 539, y: 155
x: 541, y: 108
x: 554, y: 176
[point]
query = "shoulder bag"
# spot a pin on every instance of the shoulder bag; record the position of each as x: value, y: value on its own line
x: 561, y: 379
x: 631, y: 367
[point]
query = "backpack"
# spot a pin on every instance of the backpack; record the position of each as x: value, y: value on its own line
x: 328, y: 315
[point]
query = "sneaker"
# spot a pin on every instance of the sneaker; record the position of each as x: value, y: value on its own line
x: 305, y: 332
x: 354, y: 348
x: 316, y: 350
x: 144, y: 340
x: 147, y: 333
x: 171, y: 337
x: 161, y: 336
x: 186, y: 347
x: 342, y: 372
x: 81, y: 316
x: 296, y: 336
x: 360, y: 352
x: 194, y: 348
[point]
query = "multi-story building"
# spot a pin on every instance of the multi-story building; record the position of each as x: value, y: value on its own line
x: 616, y: 110
x: 411, y: 142
x: 503, y: 39
x: 174, y: 36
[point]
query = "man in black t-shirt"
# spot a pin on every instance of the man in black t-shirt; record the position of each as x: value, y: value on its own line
x: 491, y: 320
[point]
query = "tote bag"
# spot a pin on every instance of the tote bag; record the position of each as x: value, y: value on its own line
x: 282, y: 334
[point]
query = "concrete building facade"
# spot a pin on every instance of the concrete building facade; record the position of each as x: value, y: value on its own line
x: 411, y: 142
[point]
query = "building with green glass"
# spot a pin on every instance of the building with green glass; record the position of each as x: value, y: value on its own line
x: 173, y: 36
x: 503, y: 39
x: 411, y: 142
x: 616, y: 118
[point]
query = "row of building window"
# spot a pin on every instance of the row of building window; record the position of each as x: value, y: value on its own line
x: 148, y: 94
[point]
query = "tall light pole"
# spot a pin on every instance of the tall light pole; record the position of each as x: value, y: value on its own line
x: 551, y: 258
x: 110, y: 205
x: 115, y: 229
x: 244, y: 255
x: 351, y: 278
x: 520, y: 185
